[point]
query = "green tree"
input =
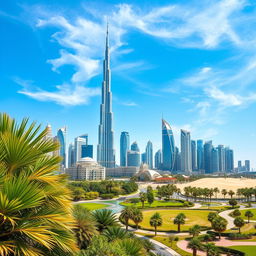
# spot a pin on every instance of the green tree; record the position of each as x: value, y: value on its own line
x: 114, y: 233
x: 195, y: 230
x: 232, y: 202
x: 105, y: 218
x: 212, y: 216
x: 150, y: 197
x: 127, y: 214
x: 211, y: 249
x: 143, y: 198
x: 35, y: 207
x: 195, y: 245
x: 236, y: 213
x: 137, y: 216
x: 219, y: 224
x: 179, y: 220
x: 239, y: 222
x: 231, y: 193
x: 85, y: 227
x: 156, y: 221
x: 224, y: 192
x: 249, y: 215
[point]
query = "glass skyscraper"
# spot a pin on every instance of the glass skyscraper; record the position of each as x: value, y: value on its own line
x: 79, y: 142
x: 71, y: 155
x: 229, y: 159
x: 124, y: 147
x: 207, y: 156
x: 200, y: 155
x: 168, y: 147
x: 158, y: 159
x: 221, y: 153
x: 185, y: 142
x: 194, y: 155
x: 135, y: 147
x: 215, y: 160
x: 62, y: 135
x: 105, y: 150
x: 133, y: 158
x: 149, y: 155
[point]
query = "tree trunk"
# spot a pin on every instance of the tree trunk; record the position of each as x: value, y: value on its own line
x: 179, y: 228
x: 194, y: 252
x: 239, y: 230
x: 219, y: 236
x: 248, y: 219
x: 127, y: 224
x: 155, y: 230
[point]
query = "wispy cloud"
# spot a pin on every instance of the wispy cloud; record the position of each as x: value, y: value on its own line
x: 129, y: 104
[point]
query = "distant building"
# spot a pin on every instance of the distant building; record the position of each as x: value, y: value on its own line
x: 135, y: 147
x: 146, y: 174
x: 229, y: 159
x: 149, y: 155
x: 124, y: 147
x: 239, y: 165
x: 186, y: 163
x: 122, y: 171
x: 207, y: 156
x: 158, y: 159
x: 62, y: 136
x: 194, y: 155
x: 221, y: 154
x: 247, y: 165
x: 168, y: 147
x: 71, y: 155
x: 133, y: 158
x: 86, y: 169
x: 200, y: 155
x: 143, y: 158
x: 79, y: 142
x: 87, y: 151
x: 214, y: 160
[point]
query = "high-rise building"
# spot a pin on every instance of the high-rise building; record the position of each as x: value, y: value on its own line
x: 239, y: 165
x: 79, y: 142
x: 247, y: 165
x: 71, y: 155
x: 133, y: 158
x: 200, y: 155
x: 229, y: 159
x: 221, y: 153
x: 185, y: 142
x: 105, y: 150
x: 124, y: 147
x: 194, y: 155
x: 215, y: 160
x: 158, y: 159
x: 87, y: 151
x: 149, y: 155
x: 168, y: 147
x: 62, y: 135
x: 207, y: 156
x: 177, y: 162
x: 135, y: 147
x: 143, y: 158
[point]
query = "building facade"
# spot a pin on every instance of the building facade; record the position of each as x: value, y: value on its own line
x: 105, y: 149
x: 200, y: 155
x: 208, y: 156
x: 135, y: 147
x: 124, y: 147
x: 122, y: 172
x: 221, y: 153
x: 215, y: 160
x: 149, y: 155
x: 133, y: 158
x: 185, y: 142
x: 194, y: 155
x: 62, y: 137
x: 158, y: 159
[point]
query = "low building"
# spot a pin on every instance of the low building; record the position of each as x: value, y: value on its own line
x: 165, y: 180
x: 145, y: 174
x: 86, y: 169
x: 122, y: 171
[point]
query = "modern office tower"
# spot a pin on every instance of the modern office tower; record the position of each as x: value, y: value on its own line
x: 176, y: 167
x: 49, y: 132
x: 168, y: 147
x: 239, y: 165
x: 215, y: 160
x: 193, y: 155
x: 79, y: 142
x: 149, y: 155
x: 124, y: 147
x: 71, y: 155
x: 133, y: 158
x: 158, y: 159
x: 200, y: 155
x: 62, y: 135
x: 247, y: 165
x: 86, y: 169
x: 122, y: 171
x: 229, y: 159
x: 87, y: 151
x: 185, y: 142
x: 207, y: 156
x: 105, y: 150
x: 135, y: 147
x: 143, y: 158
x: 221, y: 153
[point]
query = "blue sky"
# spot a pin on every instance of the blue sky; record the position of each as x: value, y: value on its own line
x: 191, y: 61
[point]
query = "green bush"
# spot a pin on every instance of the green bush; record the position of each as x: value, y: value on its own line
x: 107, y: 196
x: 237, y: 236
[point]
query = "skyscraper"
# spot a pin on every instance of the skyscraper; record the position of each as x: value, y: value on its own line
x: 194, y: 155
x: 105, y: 150
x: 200, y: 155
x: 185, y: 142
x: 87, y: 151
x: 62, y: 135
x: 124, y: 147
x: 215, y: 160
x: 133, y: 158
x: 221, y: 153
x: 79, y: 142
x: 71, y: 155
x: 177, y: 163
x: 207, y: 156
x: 149, y: 155
x: 135, y: 147
x: 168, y: 147
x: 158, y: 159
x: 229, y: 159
x: 247, y: 165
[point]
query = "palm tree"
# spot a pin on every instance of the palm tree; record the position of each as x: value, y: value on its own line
x: 105, y: 218
x: 239, y: 222
x: 195, y: 245
x: 212, y: 216
x: 36, y: 216
x: 249, y: 215
x: 143, y: 198
x: 195, y: 230
x: 219, y: 224
x: 148, y: 245
x: 132, y: 247
x: 156, y: 221
x: 211, y: 249
x: 126, y: 214
x: 179, y: 220
x: 231, y: 193
x: 216, y: 191
x: 137, y: 216
x: 224, y: 192
x: 115, y: 232
x: 85, y: 227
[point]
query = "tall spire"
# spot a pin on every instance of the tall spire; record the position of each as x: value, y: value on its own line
x: 105, y: 150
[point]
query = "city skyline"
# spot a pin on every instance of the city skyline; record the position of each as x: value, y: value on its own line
x: 170, y: 72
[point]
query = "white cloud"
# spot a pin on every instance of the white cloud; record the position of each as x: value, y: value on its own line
x: 129, y: 104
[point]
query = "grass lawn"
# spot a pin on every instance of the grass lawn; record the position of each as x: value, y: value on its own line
x: 192, y: 217
x: 249, y: 250
x: 94, y: 206
x: 247, y: 228
x: 155, y: 204
x: 252, y: 210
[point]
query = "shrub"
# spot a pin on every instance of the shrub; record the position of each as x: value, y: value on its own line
x: 236, y: 236
x: 91, y: 195
x: 107, y: 196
